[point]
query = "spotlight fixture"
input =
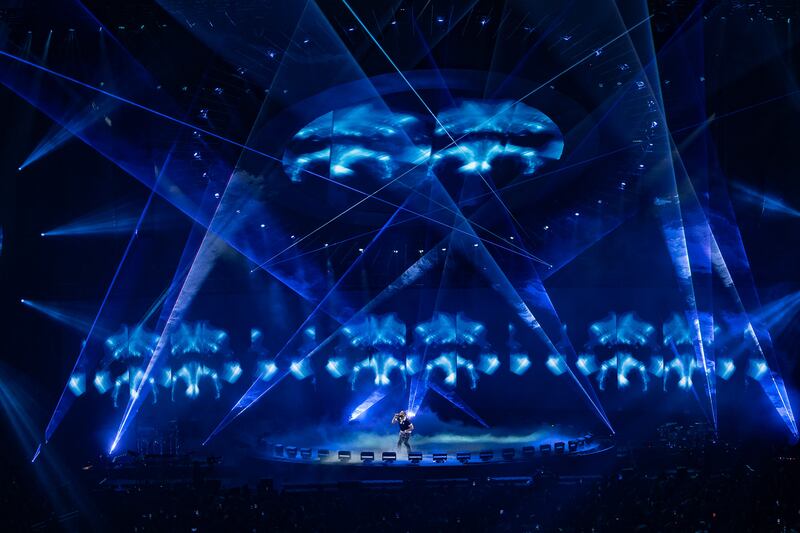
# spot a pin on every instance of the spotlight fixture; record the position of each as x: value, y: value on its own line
x: 528, y: 452
x: 559, y: 447
x: 305, y: 453
x: 463, y: 457
x: 508, y: 454
x: 486, y: 455
x: 344, y: 456
x: 389, y: 457
x: 439, y: 458
x: 322, y: 455
x: 545, y: 449
x: 415, y: 457
x: 278, y: 450
x: 291, y: 452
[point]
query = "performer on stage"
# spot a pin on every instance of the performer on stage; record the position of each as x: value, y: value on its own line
x: 406, y: 427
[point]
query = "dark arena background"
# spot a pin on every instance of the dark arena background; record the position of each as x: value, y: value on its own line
x: 237, y: 238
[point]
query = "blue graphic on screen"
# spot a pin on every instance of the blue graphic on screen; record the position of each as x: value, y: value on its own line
x: 622, y: 342
x: 376, y: 331
x: 369, y: 140
x: 381, y: 336
x: 492, y: 130
x: 193, y: 347
x: 449, y: 341
x: 380, y: 365
x: 132, y: 347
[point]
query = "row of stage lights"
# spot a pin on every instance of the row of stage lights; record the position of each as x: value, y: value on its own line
x: 388, y: 457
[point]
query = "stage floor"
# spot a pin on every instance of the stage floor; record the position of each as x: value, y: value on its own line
x: 449, y: 440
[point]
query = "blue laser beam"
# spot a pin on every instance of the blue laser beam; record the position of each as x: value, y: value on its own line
x: 366, y: 196
x: 60, y: 409
x: 427, y: 107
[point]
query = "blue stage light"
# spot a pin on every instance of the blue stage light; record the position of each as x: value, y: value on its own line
x: 587, y: 364
x: 336, y: 367
x: 300, y: 369
x: 489, y: 363
x: 757, y: 369
x: 266, y: 369
x: 725, y: 368
x: 102, y: 381
x: 77, y: 383
x: 365, y: 406
x: 519, y: 363
x: 556, y: 364
x: 232, y: 371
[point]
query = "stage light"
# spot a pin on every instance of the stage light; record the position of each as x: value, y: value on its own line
x: 508, y: 454
x: 545, y: 449
x: 528, y: 452
x: 344, y: 456
x: 300, y: 369
x: 305, y: 453
x: 367, y: 457
x: 232, y: 371
x: 463, y: 457
x: 757, y: 369
x: 77, y: 384
x: 520, y: 363
x: 559, y: 447
x: 102, y: 381
x: 486, y: 455
x: 336, y: 367
x: 587, y: 364
x: 363, y: 407
x: 36, y: 454
x: 389, y: 457
x: 572, y: 446
x: 278, y: 450
x: 415, y: 457
x: 323, y: 455
x: 489, y: 363
x: 556, y: 364
x: 291, y: 452
x: 439, y: 457
x: 725, y: 368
